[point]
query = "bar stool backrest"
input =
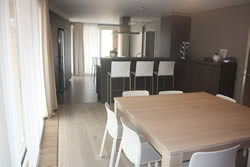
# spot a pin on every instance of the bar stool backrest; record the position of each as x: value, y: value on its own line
x: 120, y: 69
x: 223, y: 158
x: 144, y: 68
x: 166, y: 68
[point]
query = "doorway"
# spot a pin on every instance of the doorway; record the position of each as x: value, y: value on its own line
x: 150, y: 44
x: 245, y: 94
x: 61, y: 61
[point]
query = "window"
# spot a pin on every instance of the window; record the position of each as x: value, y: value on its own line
x: 108, y: 40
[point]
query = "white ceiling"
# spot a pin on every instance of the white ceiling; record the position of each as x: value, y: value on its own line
x: 109, y: 11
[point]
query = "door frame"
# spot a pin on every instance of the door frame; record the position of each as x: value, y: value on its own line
x: 145, y: 40
x: 245, y: 69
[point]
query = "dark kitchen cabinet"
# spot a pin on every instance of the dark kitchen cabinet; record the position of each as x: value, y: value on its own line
x: 214, y: 78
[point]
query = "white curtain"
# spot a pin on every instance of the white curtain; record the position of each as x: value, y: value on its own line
x: 9, y: 151
x: 31, y: 76
x: 48, y: 59
x: 91, y: 45
x: 78, y: 49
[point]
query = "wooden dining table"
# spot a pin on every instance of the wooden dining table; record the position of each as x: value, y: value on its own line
x: 181, y: 124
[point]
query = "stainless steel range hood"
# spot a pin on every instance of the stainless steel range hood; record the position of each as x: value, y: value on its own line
x: 125, y: 27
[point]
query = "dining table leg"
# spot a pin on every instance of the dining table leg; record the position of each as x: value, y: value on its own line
x: 172, y: 160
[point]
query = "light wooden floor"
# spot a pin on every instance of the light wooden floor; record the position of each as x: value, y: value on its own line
x: 81, y: 126
x: 82, y: 90
x: 49, y: 145
x: 81, y: 129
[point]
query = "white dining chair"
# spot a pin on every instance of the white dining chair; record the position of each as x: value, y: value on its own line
x: 119, y: 69
x: 135, y: 93
x: 115, y: 131
x: 222, y: 158
x: 226, y: 98
x: 166, y: 68
x: 137, y: 152
x: 93, y: 68
x: 144, y: 69
x: 169, y: 92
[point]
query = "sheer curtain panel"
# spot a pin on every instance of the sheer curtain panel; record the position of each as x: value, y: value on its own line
x: 78, y: 49
x: 9, y: 153
x: 48, y: 59
x: 91, y: 44
x: 31, y: 75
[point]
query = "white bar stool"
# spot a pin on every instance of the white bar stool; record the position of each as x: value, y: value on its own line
x: 119, y: 69
x: 166, y: 68
x: 139, y: 153
x: 115, y: 131
x: 226, y: 98
x: 93, y: 68
x: 144, y: 69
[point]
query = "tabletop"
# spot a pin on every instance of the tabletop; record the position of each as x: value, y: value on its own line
x: 177, y: 125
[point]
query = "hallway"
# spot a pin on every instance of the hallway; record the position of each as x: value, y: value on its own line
x: 81, y: 126
x: 82, y: 90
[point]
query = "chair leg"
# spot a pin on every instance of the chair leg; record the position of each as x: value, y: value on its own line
x: 118, y: 156
x: 134, y: 83
x: 123, y: 83
x: 156, y: 164
x: 103, y: 142
x: 111, y: 161
x: 149, y: 164
x: 107, y: 88
x: 129, y: 83
x: 145, y: 83
x: 110, y: 90
x: 152, y: 84
x: 173, y: 82
x: 157, y: 84
x: 92, y: 71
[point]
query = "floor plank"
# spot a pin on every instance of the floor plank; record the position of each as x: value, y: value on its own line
x: 49, y: 145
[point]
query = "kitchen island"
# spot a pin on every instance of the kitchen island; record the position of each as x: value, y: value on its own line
x: 190, y: 76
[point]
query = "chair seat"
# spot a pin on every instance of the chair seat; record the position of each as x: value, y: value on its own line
x: 157, y: 74
x: 109, y: 74
x: 133, y: 73
x: 149, y: 154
